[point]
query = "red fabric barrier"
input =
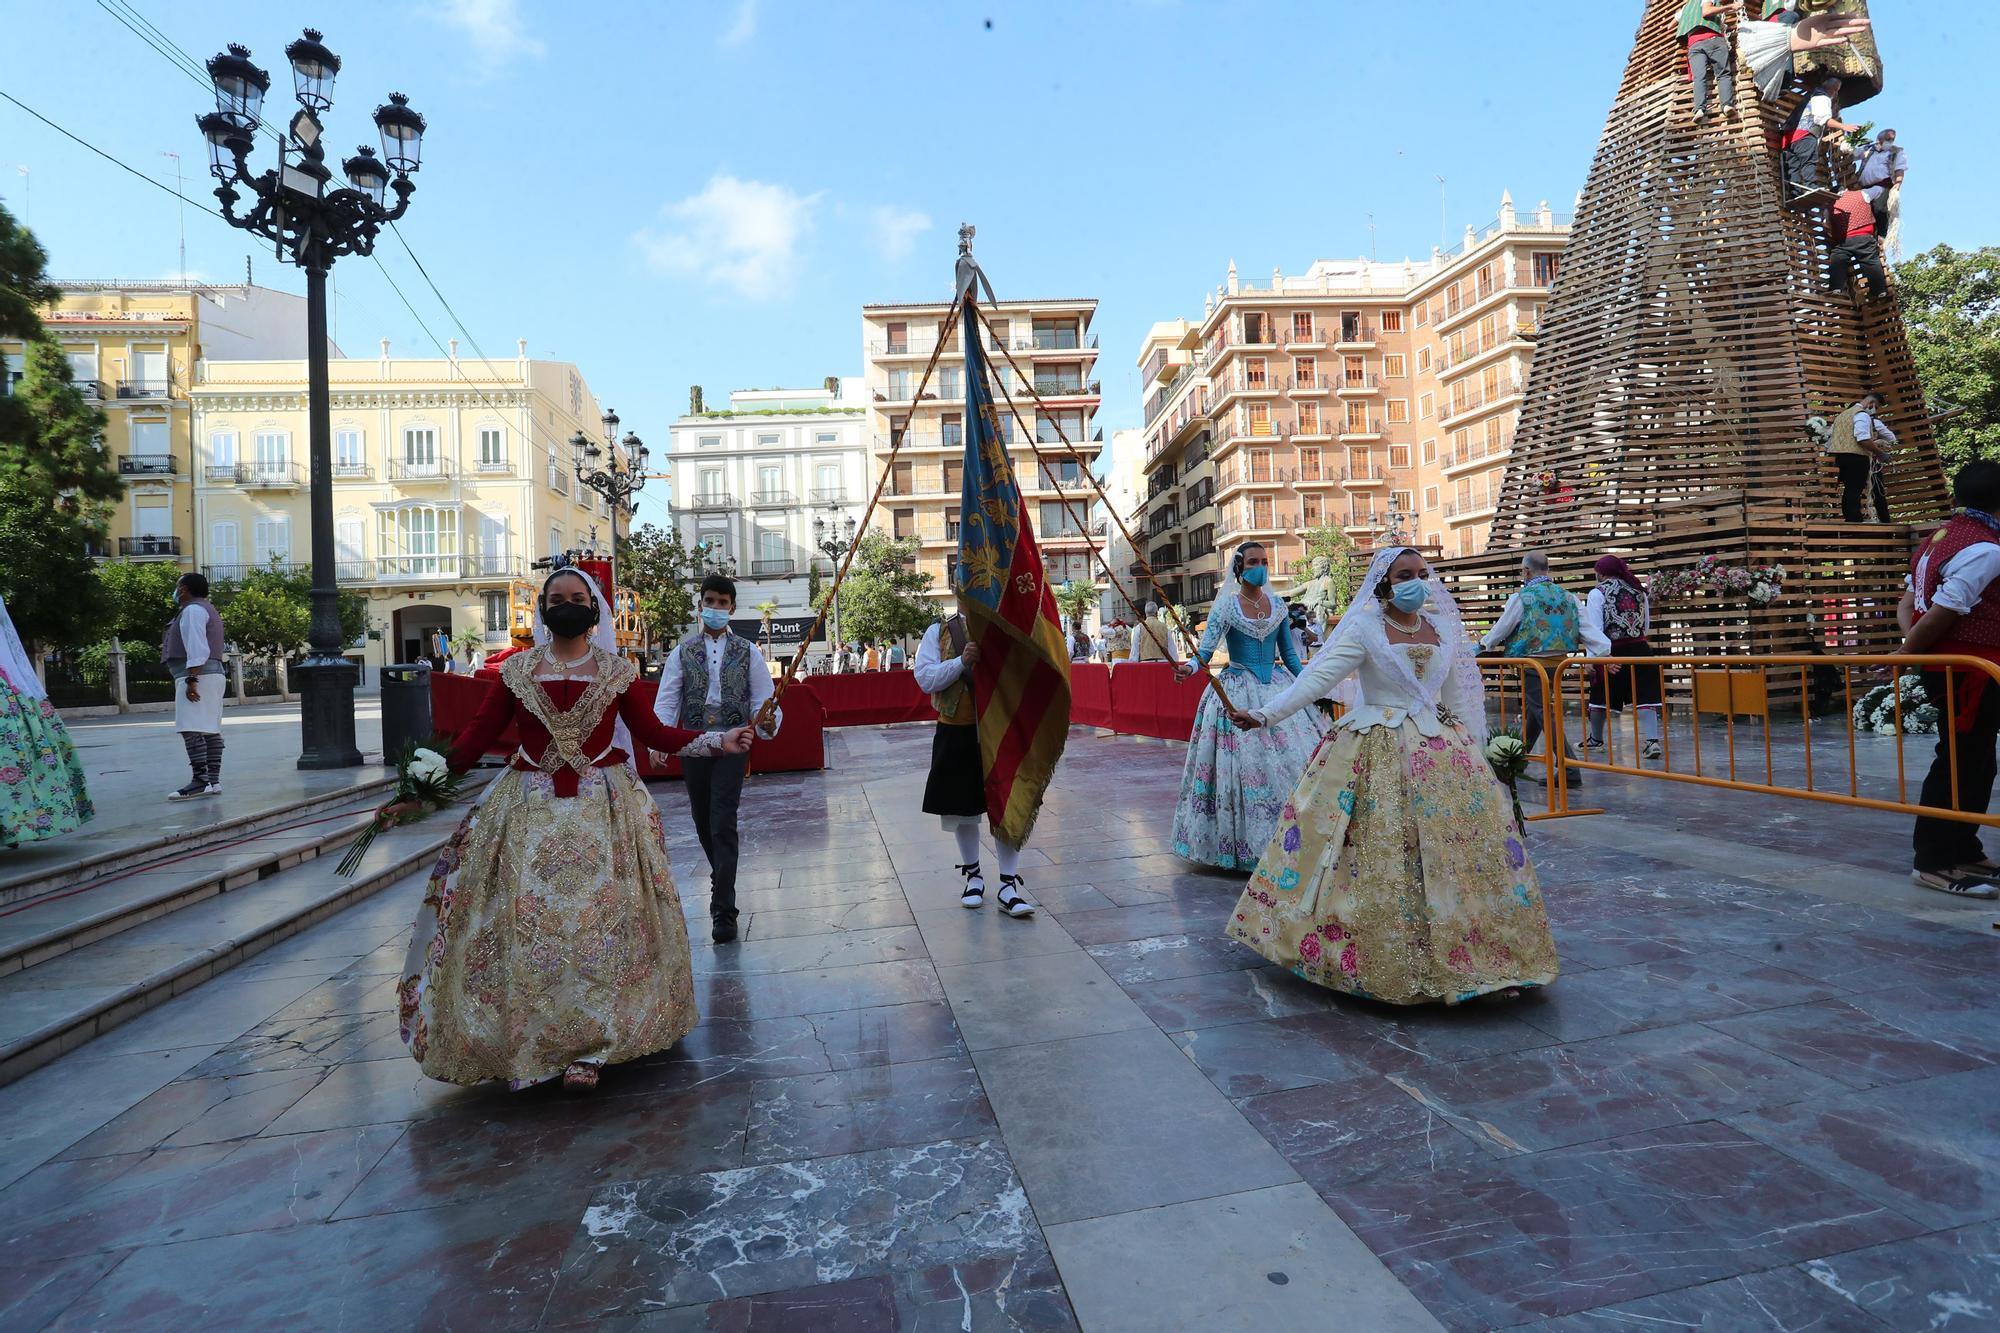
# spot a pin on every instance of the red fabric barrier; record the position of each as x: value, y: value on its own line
x: 1146, y: 700
x: 1090, y: 694
x: 799, y: 746
x: 872, y: 698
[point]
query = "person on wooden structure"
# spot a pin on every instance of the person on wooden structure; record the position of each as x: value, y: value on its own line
x: 1234, y: 784
x: 1883, y: 166
x: 1767, y: 47
x: 1801, y: 148
x: 1853, y: 246
x: 1952, y: 605
x: 715, y: 679
x: 1860, y: 444
x: 1711, y: 64
x: 1617, y: 618
x: 956, y: 789
x: 1542, y: 623
x: 1397, y: 871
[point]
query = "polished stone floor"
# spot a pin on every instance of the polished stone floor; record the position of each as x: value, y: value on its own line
x: 1765, y: 1094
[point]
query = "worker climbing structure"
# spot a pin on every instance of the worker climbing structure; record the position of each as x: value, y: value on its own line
x: 1690, y: 335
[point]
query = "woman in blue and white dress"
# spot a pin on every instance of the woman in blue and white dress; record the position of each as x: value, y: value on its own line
x: 1235, y: 783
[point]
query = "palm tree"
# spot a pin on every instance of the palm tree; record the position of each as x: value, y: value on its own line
x: 766, y: 609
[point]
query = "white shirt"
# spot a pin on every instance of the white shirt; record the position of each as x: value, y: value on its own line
x: 1510, y: 620
x: 1819, y: 110
x: 1596, y: 643
x: 1966, y: 576
x: 194, y: 636
x: 1867, y: 427
x: 934, y: 674
x: 667, y: 705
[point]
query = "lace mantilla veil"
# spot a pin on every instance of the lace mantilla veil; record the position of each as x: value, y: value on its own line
x: 1459, y: 690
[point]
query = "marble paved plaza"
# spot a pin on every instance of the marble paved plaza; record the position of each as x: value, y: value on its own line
x: 1765, y: 1094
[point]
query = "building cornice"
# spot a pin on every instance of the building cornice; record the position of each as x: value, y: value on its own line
x: 227, y: 399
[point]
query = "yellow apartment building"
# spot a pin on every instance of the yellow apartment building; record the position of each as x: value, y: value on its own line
x: 1046, y: 343
x: 1379, y: 397
x: 450, y: 477
x: 134, y: 349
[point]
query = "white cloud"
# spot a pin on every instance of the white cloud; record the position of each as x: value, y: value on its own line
x: 743, y: 236
x: 743, y: 29
x: 897, y: 229
x: 496, y: 28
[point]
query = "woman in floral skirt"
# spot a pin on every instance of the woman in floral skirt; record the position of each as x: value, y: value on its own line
x: 42, y: 792
x: 1397, y: 872
x: 1235, y: 782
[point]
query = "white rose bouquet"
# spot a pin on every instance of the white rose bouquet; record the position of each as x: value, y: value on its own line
x: 1508, y: 755
x: 425, y: 784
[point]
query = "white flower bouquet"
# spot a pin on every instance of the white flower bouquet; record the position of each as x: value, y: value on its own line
x: 1508, y: 754
x: 1876, y: 710
x: 425, y: 784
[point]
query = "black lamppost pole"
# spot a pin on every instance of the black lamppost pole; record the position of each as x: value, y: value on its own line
x: 618, y: 479
x: 833, y: 539
x: 311, y: 226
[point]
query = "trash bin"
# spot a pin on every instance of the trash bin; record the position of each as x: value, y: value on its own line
x: 406, y: 707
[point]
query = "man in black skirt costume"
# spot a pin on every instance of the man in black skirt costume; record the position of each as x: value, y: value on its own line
x: 956, y: 792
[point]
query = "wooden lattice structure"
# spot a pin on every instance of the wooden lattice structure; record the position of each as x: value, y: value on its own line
x: 1689, y: 335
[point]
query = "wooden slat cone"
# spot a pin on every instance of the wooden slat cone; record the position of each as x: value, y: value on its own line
x: 1690, y: 333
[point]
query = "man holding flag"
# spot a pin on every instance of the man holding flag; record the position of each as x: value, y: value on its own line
x: 998, y: 670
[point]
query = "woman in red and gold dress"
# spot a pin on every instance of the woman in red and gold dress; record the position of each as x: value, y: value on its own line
x: 551, y: 941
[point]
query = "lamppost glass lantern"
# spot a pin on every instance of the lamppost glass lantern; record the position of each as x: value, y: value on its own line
x: 239, y: 86
x: 313, y: 68
x: 402, y: 133
x: 226, y: 142
x: 366, y: 173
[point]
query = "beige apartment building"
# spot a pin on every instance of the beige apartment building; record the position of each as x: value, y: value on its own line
x: 449, y: 478
x: 1377, y: 397
x: 134, y: 349
x: 1046, y: 343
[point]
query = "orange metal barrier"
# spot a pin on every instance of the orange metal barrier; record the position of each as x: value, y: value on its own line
x: 1732, y: 687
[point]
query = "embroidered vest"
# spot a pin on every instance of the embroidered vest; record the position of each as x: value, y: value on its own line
x: 568, y: 729
x: 1982, y: 625
x: 734, y: 692
x: 173, y: 650
x: 1550, y: 625
x: 1624, y: 610
x: 1844, y: 440
x: 954, y: 702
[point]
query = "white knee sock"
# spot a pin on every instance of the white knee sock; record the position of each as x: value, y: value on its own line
x: 968, y: 842
x: 1009, y: 857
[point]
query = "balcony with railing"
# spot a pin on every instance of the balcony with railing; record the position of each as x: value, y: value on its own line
x: 1233, y: 477
x: 1478, y: 400
x: 1068, y: 388
x: 770, y: 499
x: 1313, y: 382
x: 1306, y: 339
x: 1363, y: 476
x: 769, y: 569
x: 492, y: 465
x: 268, y: 476
x: 712, y: 500
x: 1476, y: 504
x: 1360, y: 384
x: 147, y: 465
x: 1476, y: 455
x: 149, y: 548
x: 145, y: 390
x: 420, y: 469
x: 1361, y: 428
x: 828, y: 495
x: 353, y: 472
x: 1357, y: 333
x: 1460, y: 304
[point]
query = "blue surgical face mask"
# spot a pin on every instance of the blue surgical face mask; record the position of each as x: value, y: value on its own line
x: 1255, y: 575
x: 714, y: 619
x: 1410, y: 596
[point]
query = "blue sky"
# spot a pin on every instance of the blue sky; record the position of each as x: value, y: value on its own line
x: 673, y: 194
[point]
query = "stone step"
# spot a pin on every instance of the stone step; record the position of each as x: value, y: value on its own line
x: 35, y: 930
x: 19, y: 885
x: 61, y: 1003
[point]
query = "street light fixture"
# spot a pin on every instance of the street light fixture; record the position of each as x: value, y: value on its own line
x: 617, y: 480
x: 311, y: 226
x: 834, y: 540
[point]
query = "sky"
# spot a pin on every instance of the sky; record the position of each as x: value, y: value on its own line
x: 672, y: 194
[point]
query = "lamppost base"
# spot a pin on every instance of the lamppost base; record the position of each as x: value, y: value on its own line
x: 326, y: 712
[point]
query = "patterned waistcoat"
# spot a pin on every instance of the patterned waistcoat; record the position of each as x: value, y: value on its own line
x: 954, y: 703
x: 734, y: 710
x: 1550, y: 625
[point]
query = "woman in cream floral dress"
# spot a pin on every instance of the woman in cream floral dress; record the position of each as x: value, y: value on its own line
x: 1398, y: 872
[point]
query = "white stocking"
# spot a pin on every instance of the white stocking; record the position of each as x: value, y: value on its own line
x: 1009, y: 857
x: 968, y: 843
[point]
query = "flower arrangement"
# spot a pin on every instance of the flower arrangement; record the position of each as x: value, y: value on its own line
x: 425, y: 784
x: 1876, y: 710
x: 1760, y: 585
x: 1508, y: 754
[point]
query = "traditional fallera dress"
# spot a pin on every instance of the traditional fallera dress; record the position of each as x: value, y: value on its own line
x: 42, y: 791
x: 1397, y: 872
x: 1235, y: 782
x: 551, y: 932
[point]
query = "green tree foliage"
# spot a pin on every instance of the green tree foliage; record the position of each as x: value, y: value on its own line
x: 139, y: 598
x: 54, y: 446
x: 814, y: 584
x: 1329, y: 570
x: 1076, y: 601
x: 46, y: 574
x: 883, y: 596
x: 654, y: 564
x: 1951, y: 307
x: 24, y: 290
x: 264, y: 622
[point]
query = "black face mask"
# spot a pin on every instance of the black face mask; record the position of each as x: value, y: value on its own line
x: 566, y: 620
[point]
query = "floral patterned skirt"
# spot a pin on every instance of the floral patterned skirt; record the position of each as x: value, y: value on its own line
x: 1236, y: 782
x: 1398, y: 874
x: 550, y: 934
x: 42, y: 792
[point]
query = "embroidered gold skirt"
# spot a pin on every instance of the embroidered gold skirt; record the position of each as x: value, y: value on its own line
x: 550, y: 934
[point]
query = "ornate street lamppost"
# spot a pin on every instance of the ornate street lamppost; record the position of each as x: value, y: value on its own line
x: 833, y: 540
x: 311, y: 226
x: 620, y: 477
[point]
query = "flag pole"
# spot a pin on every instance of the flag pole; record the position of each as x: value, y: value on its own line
x: 1145, y: 565
x: 765, y: 714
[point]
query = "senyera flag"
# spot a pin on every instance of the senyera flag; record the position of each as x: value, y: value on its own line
x: 1021, y: 683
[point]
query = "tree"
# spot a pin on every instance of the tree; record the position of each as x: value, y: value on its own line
x: 54, y: 597
x: 1328, y: 571
x: 1951, y: 309
x: 767, y: 609
x: 813, y: 584
x: 883, y: 595
x: 139, y: 599
x: 24, y: 290
x: 655, y: 565
x: 291, y: 586
x: 468, y: 641
x: 264, y: 622
x: 1076, y: 601
x: 54, y: 445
